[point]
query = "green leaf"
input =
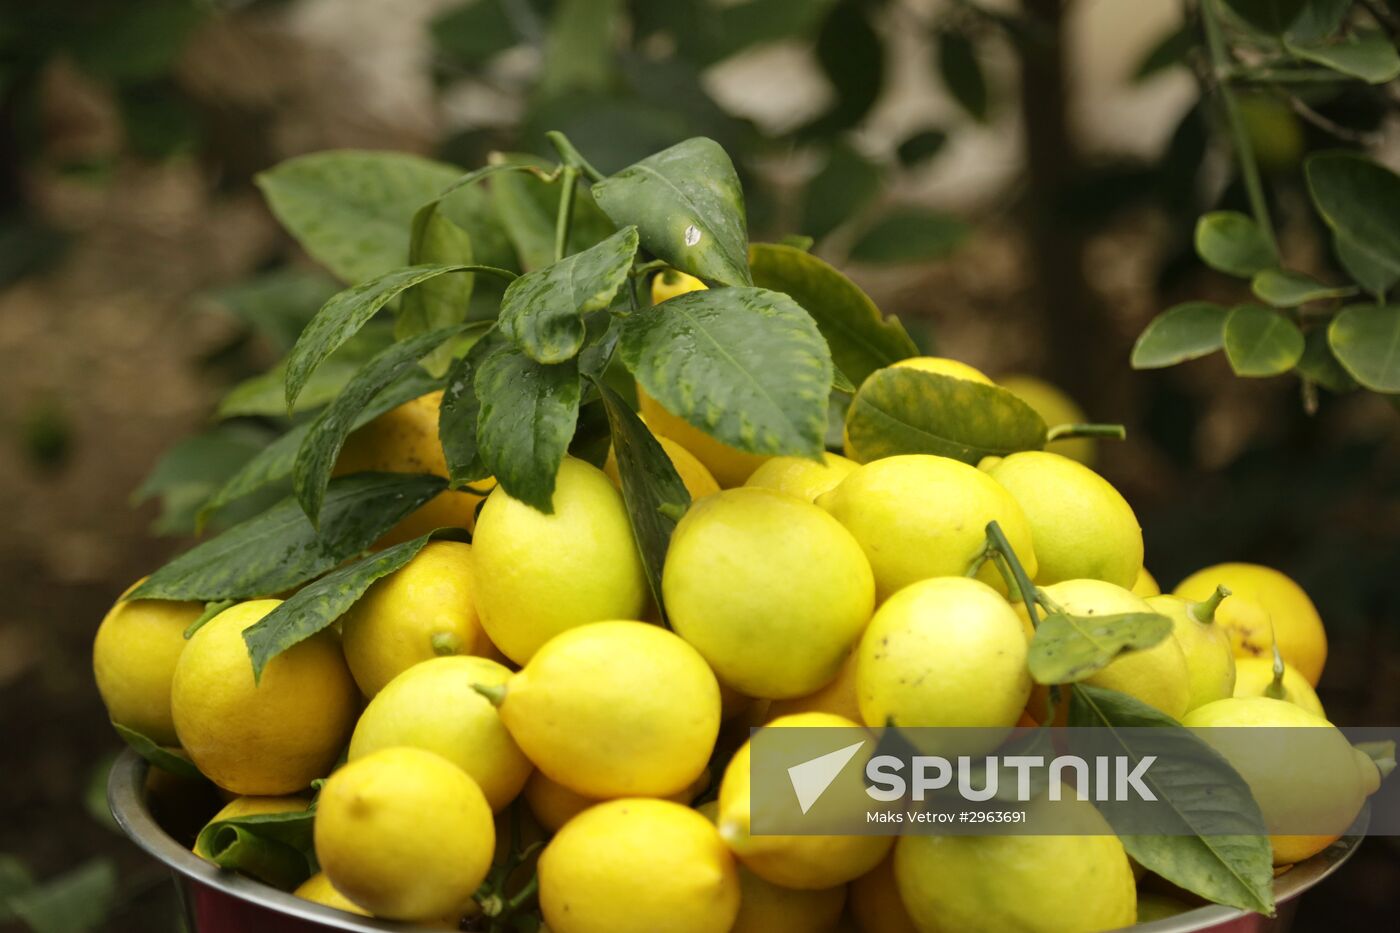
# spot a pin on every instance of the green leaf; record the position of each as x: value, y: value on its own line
x: 188, y: 473
x: 1184, y: 332
x: 265, y: 395
x: 528, y: 414
x: 1375, y: 277
x: 1169, y: 51
x: 654, y: 493
x: 441, y: 301
x: 1318, y: 20
x: 460, y: 412
x: 1360, y: 200
x: 845, y: 184
x: 1366, y: 340
x: 579, y: 52
x: 1222, y: 851
x: 350, y: 210
x: 1367, y: 54
x: 1319, y: 364
x: 279, y: 549
x: 1270, y: 16
x: 543, y: 311
x: 747, y: 366
x: 910, y: 235
x: 962, y: 74
x: 316, y: 457
x: 1260, y: 342
x: 277, y: 304
x: 341, y: 317
x: 921, y: 147
x: 1283, y: 289
x: 688, y: 208
x: 472, y: 33
x: 1067, y: 648
x: 319, y: 603
x: 861, y: 339
x: 275, y: 848
x: 1232, y: 243
x: 908, y: 411
x: 167, y: 759
x: 527, y: 207
x: 75, y: 902
x: 852, y: 57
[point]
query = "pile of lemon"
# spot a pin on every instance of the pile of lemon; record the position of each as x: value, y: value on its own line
x: 524, y: 678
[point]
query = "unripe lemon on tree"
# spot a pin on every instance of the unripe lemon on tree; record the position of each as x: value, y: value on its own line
x: 1081, y: 527
x: 1145, y: 585
x: 405, y: 440
x: 319, y: 890
x: 553, y: 804
x: 1035, y: 884
x: 1288, y: 614
x: 804, y: 862
x: 1210, y: 662
x: 638, y: 865
x: 435, y: 706
x: 269, y: 737
x: 771, y: 590
x: 946, y: 652
x: 1055, y: 408
x: 876, y: 905
x: 405, y: 834
x: 133, y: 660
x: 1302, y: 771
x: 614, y: 709
x: 425, y: 609
x: 698, y: 481
x: 803, y: 478
x: 1253, y: 676
x: 1158, y: 676
x: 538, y: 575
x: 918, y: 516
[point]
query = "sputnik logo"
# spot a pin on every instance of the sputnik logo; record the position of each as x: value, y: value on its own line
x: 811, y: 778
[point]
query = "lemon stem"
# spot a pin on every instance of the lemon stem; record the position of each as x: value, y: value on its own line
x: 1204, y: 611
x: 1017, y: 581
x: 1381, y: 753
x: 1062, y: 432
x: 1275, y: 688
x: 495, y: 693
x: 445, y: 643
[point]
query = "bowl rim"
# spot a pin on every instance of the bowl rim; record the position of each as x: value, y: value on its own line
x: 126, y: 797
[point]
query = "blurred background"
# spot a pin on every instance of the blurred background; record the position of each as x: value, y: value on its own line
x: 1018, y: 181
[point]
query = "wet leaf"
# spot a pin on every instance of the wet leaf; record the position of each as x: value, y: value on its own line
x: 1185, y: 332
x: 1283, y: 289
x: 460, y: 411
x: 527, y: 417
x: 441, y: 301
x: 1260, y: 342
x: 1067, y: 648
x: 167, y: 759
x: 527, y: 207
x: 265, y: 395
x: 1231, y: 242
x: 1366, y: 341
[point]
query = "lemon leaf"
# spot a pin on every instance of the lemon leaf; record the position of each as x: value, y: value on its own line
x: 1260, y: 342
x: 1070, y: 648
x: 527, y: 205
x: 441, y: 301
x: 1184, y: 332
x: 1218, y: 846
x: 167, y: 759
x: 1284, y: 289
x: 279, y: 549
x: 275, y: 848
x: 1231, y: 242
x: 1360, y: 200
x: 1366, y: 341
x: 460, y: 411
x: 909, y: 411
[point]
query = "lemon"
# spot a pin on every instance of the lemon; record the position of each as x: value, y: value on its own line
x: 698, y: 481
x: 1145, y: 585
x: 770, y: 589
x: 1033, y: 884
x: 944, y: 652
x: 1158, y: 676
x: 672, y: 282
x: 1210, y: 661
x: 252, y: 806
x: 919, y: 516
x: 1253, y: 676
x: 133, y: 659
x: 538, y: 575
x: 803, y: 862
x: 405, y: 834
x: 636, y: 866
x: 1295, y: 622
x: 615, y: 709
x: 1302, y: 771
x: 425, y: 609
x: 838, y: 697
x: 803, y: 478
x: 319, y: 890
x: 876, y: 904
x: 434, y: 706
x: 405, y: 440
x: 728, y: 465
x: 944, y: 366
x: 1081, y: 528
x: 1055, y: 408
x: 267, y: 738
x: 553, y: 804
x: 765, y: 907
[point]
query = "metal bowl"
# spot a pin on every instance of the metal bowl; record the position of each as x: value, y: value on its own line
x: 218, y: 901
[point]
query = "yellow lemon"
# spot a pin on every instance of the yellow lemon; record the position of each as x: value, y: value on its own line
x: 765, y: 907
x: 251, y: 806
x: 405, y: 440
x: 803, y: 478
x: 671, y: 282
x: 1288, y: 614
x: 1081, y: 528
x: 1158, y: 676
x: 538, y: 575
x: 838, y: 697
x: 698, y: 481
x: 803, y: 862
x: 944, y: 366
x: 1033, y: 884
x: 1055, y: 408
x: 770, y: 589
x: 133, y: 659
x: 728, y: 465
x: 423, y: 610
x: 266, y: 738
x: 405, y: 834
x: 638, y: 865
x: 944, y: 652
x: 1145, y: 585
x: 876, y: 904
x: 319, y: 890
x: 1253, y: 676
x: 918, y: 516
x: 435, y: 706
x: 1210, y: 661
x: 615, y: 709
